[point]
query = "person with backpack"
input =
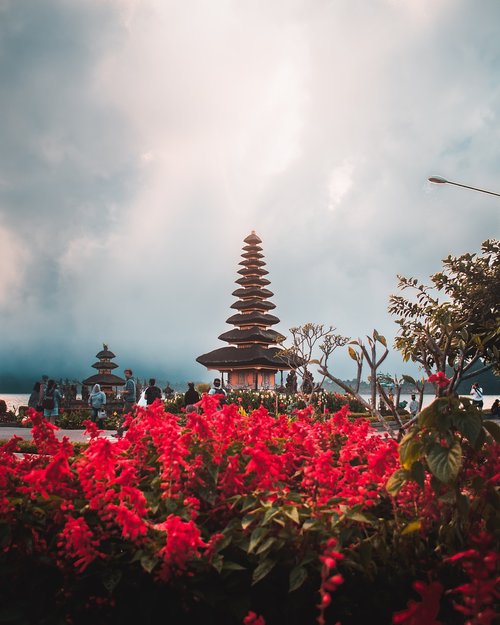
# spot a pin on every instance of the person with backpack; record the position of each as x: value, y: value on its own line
x: 152, y: 393
x: 218, y: 390
x: 97, y: 399
x: 51, y: 400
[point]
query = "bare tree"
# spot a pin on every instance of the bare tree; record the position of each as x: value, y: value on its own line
x: 307, y: 338
x: 305, y: 342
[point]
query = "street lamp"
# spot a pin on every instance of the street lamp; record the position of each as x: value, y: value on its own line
x: 440, y: 180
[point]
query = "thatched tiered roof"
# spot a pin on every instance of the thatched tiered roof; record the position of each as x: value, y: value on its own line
x: 253, y: 343
x: 105, y: 378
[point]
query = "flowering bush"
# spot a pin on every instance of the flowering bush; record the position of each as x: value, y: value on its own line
x: 274, y: 401
x: 234, y: 517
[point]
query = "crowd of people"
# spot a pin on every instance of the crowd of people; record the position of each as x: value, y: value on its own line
x: 46, y: 397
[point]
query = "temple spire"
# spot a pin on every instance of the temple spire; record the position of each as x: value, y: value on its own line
x: 252, y: 359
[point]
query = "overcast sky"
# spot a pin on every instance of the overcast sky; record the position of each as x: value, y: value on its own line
x: 142, y: 140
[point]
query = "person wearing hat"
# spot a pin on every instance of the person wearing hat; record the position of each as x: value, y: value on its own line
x: 218, y: 390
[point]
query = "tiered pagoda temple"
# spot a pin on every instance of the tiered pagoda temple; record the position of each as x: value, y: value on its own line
x: 252, y: 359
x: 105, y: 378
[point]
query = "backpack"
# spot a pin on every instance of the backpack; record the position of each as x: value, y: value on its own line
x: 220, y: 391
x: 48, y: 402
x: 97, y: 400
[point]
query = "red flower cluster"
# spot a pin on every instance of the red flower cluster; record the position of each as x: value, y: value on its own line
x: 480, y: 594
x: 177, y: 489
x: 439, y: 379
x: 329, y: 582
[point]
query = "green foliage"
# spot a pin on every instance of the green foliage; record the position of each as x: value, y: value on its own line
x: 460, y: 330
x: 448, y: 435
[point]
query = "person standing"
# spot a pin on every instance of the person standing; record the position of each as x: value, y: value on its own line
x: 495, y: 409
x: 152, y: 392
x: 51, y: 401
x: 97, y: 400
x: 413, y: 407
x: 34, y: 400
x: 128, y: 392
x: 476, y: 393
x: 129, y: 398
x: 169, y: 391
x: 218, y: 390
x: 191, y: 397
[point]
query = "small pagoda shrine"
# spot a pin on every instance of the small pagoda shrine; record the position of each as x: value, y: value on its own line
x: 107, y: 380
x: 252, y: 359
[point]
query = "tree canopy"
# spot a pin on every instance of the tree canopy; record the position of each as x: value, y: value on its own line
x: 460, y: 329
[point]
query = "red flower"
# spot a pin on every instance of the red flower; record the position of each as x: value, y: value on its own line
x: 253, y: 619
x: 424, y: 612
x: 439, y: 379
x: 77, y: 541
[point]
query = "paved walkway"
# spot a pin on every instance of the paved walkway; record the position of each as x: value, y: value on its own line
x: 75, y: 436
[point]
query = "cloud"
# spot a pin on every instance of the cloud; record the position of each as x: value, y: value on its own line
x: 15, y: 260
x: 142, y: 141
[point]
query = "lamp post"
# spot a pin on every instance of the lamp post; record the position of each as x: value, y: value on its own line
x: 440, y: 180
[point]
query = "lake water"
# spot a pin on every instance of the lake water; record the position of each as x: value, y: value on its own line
x: 13, y: 400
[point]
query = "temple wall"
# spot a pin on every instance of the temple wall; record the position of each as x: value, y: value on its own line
x: 247, y: 379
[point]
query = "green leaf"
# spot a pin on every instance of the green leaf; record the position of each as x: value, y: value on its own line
x: 223, y: 542
x: 396, y: 482
x: 111, y: 579
x: 309, y: 524
x: 232, y: 566
x: 414, y: 526
x: 256, y: 537
x: 148, y: 562
x: 264, y: 568
x: 410, y: 450
x: 298, y: 576
x: 248, y: 502
x: 269, y: 514
x: 436, y: 415
x: 468, y: 424
x: 493, y: 429
x: 266, y: 545
x: 355, y: 515
x: 445, y: 462
x: 293, y: 514
x: 218, y: 562
x: 247, y: 520
x: 417, y: 473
